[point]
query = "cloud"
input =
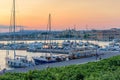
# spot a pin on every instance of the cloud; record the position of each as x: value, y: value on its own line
x: 7, y: 27
x: 4, y: 27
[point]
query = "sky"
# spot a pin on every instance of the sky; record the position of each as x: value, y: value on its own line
x: 96, y: 14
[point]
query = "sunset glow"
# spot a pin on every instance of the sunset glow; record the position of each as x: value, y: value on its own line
x: 97, y: 14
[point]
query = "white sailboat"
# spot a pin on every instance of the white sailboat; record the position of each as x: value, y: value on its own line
x: 17, y: 61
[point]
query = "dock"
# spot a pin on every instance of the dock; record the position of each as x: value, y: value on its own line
x: 61, y: 51
x: 107, y: 54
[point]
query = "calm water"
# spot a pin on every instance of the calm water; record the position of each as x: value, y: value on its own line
x: 29, y: 54
x: 60, y: 41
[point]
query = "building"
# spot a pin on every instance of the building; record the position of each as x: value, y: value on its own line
x: 108, y: 35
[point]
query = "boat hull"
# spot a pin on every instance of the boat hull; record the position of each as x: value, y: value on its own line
x: 14, y: 66
x: 37, y: 61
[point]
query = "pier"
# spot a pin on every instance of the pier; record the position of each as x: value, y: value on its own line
x: 106, y: 55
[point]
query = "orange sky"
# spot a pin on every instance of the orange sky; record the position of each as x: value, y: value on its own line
x: 97, y: 14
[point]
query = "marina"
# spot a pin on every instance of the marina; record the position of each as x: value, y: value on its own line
x: 67, y: 49
x: 30, y: 55
x: 21, y: 54
x: 59, y: 40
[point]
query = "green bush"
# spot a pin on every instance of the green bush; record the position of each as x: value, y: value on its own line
x: 107, y: 69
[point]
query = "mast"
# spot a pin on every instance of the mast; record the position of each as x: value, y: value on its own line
x: 75, y: 33
x: 49, y: 22
x: 14, y: 17
x: 14, y: 25
x: 86, y: 32
x: 49, y: 27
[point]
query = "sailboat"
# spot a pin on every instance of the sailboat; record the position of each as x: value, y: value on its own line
x: 46, y: 59
x: 17, y: 61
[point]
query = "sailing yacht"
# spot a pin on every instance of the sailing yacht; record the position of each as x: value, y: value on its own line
x: 46, y: 59
x: 18, y: 61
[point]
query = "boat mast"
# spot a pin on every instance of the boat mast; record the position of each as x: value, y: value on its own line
x: 49, y: 27
x: 86, y: 32
x: 75, y: 34
x: 14, y: 25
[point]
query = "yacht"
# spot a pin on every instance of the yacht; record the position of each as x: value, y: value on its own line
x: 45, y: 59
x: 16, y: 61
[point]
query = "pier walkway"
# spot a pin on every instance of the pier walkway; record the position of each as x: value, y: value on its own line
x: 107, y: 54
